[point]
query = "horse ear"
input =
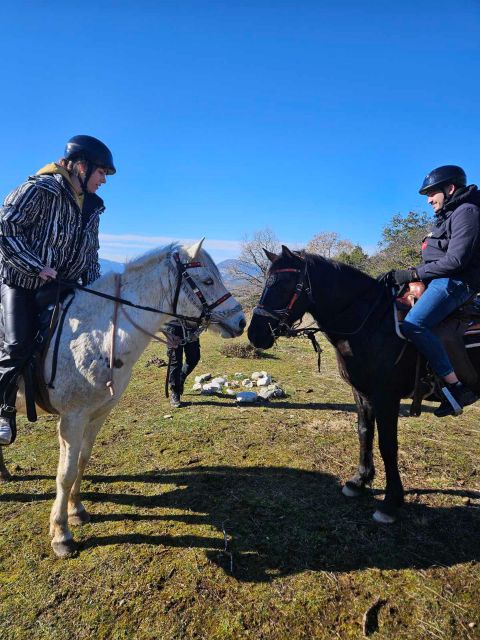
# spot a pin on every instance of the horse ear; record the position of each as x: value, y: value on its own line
x: 194, y: 249
x: 270, y: 255
x: 286, y: 253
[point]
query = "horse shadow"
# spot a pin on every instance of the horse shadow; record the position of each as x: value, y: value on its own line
x: 277, y: 521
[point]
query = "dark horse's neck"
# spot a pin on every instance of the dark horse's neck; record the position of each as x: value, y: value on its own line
x: 343, y: 296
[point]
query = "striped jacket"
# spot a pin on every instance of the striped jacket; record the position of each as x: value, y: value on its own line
x: 41, y: 225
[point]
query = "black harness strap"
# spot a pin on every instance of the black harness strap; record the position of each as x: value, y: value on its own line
x: 57, y: 344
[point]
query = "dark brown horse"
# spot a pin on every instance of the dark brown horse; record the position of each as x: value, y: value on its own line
x: 355, y: 312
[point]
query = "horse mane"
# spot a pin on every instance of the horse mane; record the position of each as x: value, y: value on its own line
x: 351, y: 273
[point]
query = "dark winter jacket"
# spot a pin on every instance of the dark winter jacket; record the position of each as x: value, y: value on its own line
x: 42, y: 225
x: 452, y: 248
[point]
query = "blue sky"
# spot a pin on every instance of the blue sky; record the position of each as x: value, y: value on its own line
x: 228, y: 117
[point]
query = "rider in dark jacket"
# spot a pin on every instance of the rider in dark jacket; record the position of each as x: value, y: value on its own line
x: 48, y: 225
x: 451, y: 270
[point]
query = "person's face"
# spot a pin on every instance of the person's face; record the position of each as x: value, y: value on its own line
x: 436, y: 197
x: 98, y: 177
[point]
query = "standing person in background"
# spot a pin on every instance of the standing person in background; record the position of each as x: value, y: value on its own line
x: 177, y: 370
x: 451, y: 270
x: 48, y: 226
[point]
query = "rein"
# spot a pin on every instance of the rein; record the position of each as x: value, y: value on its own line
x: 202, y: 321
x: 303, y: 284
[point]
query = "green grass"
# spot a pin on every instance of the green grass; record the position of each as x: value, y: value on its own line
x: 228, y: 522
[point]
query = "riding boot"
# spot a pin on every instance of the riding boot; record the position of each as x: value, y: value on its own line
x: 19, y: 322
x: 456, y: 396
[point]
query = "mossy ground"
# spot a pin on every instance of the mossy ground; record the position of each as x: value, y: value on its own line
x: 228, y: 522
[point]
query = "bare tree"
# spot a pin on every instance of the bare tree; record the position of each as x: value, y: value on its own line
x: 329, y: 245
x: 250, y: 268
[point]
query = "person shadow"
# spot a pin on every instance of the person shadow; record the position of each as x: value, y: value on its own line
x: 277, y: 521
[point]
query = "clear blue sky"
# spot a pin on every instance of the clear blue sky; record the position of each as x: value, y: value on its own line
x: 227, y: 117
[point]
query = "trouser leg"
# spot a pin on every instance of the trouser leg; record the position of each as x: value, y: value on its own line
x: 442, y: 297
x: 175, y: 357
x: 19, y: 318
x: 192, y: 358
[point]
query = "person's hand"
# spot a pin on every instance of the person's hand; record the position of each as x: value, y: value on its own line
x: 402, y: 276
x: 47, y: 273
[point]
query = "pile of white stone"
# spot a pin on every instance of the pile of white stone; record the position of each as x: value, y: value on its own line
x: 207, y: 385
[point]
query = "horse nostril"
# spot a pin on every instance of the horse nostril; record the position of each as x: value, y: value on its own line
x: 242, y: 324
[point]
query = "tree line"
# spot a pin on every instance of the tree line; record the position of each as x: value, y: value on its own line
x: 399, y: 248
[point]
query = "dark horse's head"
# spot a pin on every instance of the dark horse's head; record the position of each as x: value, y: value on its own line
x: 285, y: 298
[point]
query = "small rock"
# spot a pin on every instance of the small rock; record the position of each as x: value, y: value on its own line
x: 258, y: 374
x: 197, y: 386
x: 168, y: 415
x: 239, y: 374
x: 263, y: 381
x: 248, y: 383
x: 203, y: 378
x: 231, y: 392
x: 472, y: 625
x: 220, y: 381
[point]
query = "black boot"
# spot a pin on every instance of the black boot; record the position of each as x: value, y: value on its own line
x: 456, y: 396
x: 175, y: 399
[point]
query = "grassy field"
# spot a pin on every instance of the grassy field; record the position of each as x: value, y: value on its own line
x: 226, y: 522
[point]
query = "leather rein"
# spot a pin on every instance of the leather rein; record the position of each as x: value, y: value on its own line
x: 201, y: 321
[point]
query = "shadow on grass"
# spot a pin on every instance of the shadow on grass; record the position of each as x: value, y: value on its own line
x: 278, y: 521
x: 281, y: 521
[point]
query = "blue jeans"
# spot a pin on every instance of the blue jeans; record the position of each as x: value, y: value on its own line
x: 442, y: 297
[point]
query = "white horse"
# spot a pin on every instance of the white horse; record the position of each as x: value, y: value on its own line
x: 81, y: 395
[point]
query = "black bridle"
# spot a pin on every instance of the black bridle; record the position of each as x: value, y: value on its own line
x: 284, y: 315
x: 183, y: 276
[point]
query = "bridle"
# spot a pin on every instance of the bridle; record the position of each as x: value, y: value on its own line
x: 183, y: 277
x: 284, y: 315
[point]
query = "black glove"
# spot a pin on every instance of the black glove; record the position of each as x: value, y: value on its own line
x: 402, y: 276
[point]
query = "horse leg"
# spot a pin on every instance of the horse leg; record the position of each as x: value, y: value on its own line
x: 77, y: 514
x: 4, y: 474
x: 386, y: 407
x: 366, y: 430
x: 70, y: 433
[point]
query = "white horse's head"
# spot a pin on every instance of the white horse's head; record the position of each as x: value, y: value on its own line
x: 202, y: 291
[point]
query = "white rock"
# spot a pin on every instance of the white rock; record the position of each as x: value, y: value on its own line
x: 168, y: 415
x: 233, y: 384
x: 221, y: 381
x: 258, y: 374
x: 263, y: 381
x: 248, y: 383
x: 246, y: 396
x: 197, y: 386
x: 231, y: 392
x: 203, y: 378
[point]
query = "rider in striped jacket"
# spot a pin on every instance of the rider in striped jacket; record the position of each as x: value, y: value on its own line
x: 48, y: 227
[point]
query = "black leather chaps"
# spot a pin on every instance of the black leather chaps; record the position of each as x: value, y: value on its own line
x: 19, y: 312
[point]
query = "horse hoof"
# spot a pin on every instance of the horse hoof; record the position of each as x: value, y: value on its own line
x: 383, y: 518
x: 77, y: 519
x: 65, y: 549
x: 352, y: 491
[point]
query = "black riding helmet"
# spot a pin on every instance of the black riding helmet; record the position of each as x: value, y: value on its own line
x: 92, y: 150
x: 442, y: 176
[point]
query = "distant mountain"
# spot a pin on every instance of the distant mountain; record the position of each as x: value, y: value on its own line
x: 110, y: 265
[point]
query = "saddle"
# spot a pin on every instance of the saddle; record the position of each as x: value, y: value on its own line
x: 51, y: 308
